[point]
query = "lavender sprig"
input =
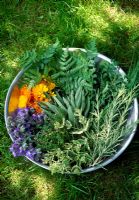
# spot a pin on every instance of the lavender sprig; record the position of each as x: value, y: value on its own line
x: 23, y: 125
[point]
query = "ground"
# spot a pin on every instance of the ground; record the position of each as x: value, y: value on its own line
x: 28, y: 24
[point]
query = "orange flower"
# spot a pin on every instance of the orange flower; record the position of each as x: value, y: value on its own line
x: 38, y: 92
x: 31, y: 97
x: 25, y: 91
x: 25, y: 95
x: 13, y: 103
x: 35, y: 106
x: 51, y: 86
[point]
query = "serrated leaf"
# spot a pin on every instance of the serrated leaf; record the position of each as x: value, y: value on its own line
x: 57, y: 75
x: 75, y: 70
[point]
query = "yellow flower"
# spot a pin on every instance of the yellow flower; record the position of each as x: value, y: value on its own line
x: 22, y: 101
x: 51, y: 86
x: 52, y: 94
x: 13, y: 103
x: 25, y: 95
x: 38, y: 92
x: 31, y: 97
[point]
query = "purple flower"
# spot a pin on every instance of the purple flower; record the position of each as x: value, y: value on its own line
x: 22, y: 113
x: 34, y: 117
x: 17, y: 150
x: 40, y: 118
x: 31, y: 153
x: 23, y: 125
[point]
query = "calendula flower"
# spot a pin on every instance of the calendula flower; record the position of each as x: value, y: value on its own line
x: 35, y: 106
x: 38, y: 94
x: 31, y: 97
x: 51, y: 86
x: 24, y: 98
x: 25, y: 91
x: 22, y: 101
x: 49, y: 83
x: 14, y: 99
x: 39, y: 91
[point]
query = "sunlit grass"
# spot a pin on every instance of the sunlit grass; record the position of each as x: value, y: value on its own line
x: 23, y: 181
x: 43, y: 188
x: 16, y: 177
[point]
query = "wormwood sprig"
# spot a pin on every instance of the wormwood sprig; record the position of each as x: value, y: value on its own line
x: 109, y: 126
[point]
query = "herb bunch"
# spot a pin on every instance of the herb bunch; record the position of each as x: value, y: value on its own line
x: 87, y: 118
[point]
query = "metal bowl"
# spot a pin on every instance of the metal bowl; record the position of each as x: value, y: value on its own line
x: 124, y: 144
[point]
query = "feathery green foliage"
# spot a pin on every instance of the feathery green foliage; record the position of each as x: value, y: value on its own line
x: 76, y: 69
x: 88, y: 118
x: 31, y: 58
x: 35, y: 64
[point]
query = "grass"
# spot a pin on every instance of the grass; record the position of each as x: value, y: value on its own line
x: 34, y: 24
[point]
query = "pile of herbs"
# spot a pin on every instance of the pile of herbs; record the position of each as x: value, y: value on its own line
x: 86, y: 120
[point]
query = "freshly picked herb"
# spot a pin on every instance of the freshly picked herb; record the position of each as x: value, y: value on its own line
x: 71, y: 109
x: 24, y: 124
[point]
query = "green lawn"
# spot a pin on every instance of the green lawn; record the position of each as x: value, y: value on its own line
x: 27, y: 24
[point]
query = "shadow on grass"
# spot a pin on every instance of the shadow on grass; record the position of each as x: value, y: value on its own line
x: 117, y: 182
x: 129, y: 6
x: 38, y: 24
x: 27, y: 181
x: 23, y: 180
x: 122, y: 43
x: 11, y: 192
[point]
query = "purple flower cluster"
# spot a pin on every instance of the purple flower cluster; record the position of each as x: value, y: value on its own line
x: 30, y: 152
x: 24, y: 124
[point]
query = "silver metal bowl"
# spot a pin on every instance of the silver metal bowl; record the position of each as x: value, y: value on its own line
x: 124, y: 144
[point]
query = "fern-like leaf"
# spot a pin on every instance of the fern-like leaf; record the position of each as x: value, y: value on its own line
x: 40, y: 59
x: 28, y: 58
x: 91, y: 50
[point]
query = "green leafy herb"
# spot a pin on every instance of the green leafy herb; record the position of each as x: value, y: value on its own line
x: 87, y: 119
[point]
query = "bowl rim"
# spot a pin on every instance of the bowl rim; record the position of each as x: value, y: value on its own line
x: 107, y: 161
